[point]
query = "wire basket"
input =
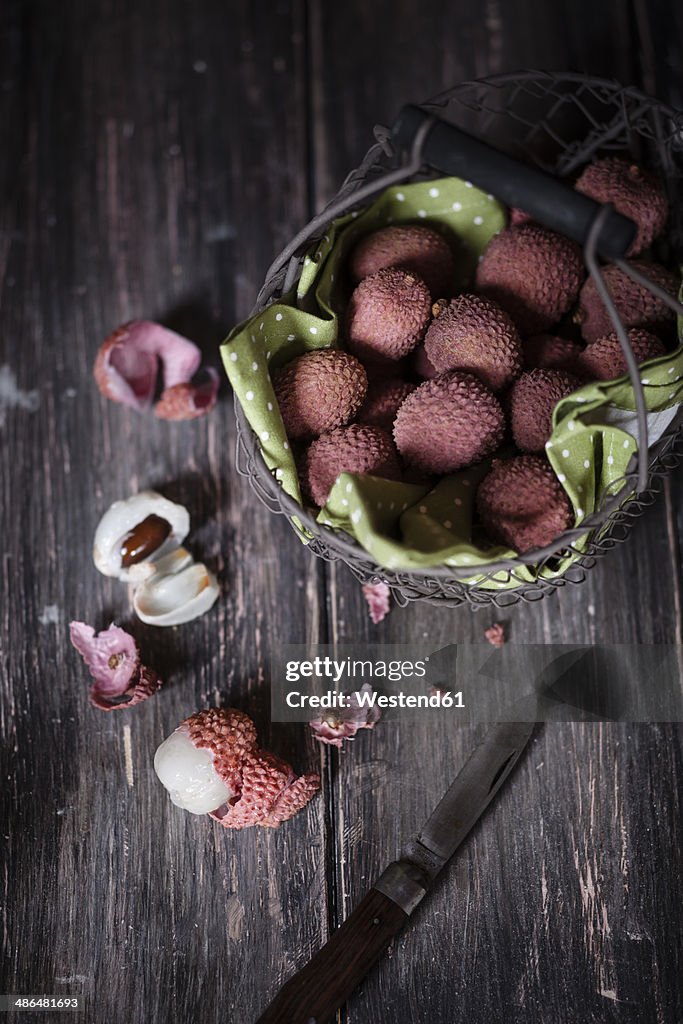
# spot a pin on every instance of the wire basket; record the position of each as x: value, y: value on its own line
x: 557, y: 122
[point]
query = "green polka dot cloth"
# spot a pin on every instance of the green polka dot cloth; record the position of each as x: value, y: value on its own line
x: 405, y: 526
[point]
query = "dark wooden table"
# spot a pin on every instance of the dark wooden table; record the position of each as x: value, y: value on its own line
x: 155, y: 156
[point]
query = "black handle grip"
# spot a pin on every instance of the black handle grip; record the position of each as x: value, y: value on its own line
x: 547, y: 199
x: 316, y: 991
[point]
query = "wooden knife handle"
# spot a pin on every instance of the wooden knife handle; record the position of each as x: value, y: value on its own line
x: 326, y: 982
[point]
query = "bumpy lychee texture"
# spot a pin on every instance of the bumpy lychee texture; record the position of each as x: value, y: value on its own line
x: 550, y: 352
x: 448, y: 423
x: 633, y: 192
x: 605, y: 360
x: 319, y: 391
x: 388, y: 314
x: 383, y: 401
x: 419, y: 250
x: 213, y: 765
x: 533, y: 273
x: 637, y: 306
x: 532, y: 400
x: 473, y: 334
x: 352, y: 449
x: 522, y: 504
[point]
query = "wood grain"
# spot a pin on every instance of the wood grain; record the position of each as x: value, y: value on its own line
x: 155, y: 157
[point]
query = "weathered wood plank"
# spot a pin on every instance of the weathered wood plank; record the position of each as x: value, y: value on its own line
x: 157, y: 160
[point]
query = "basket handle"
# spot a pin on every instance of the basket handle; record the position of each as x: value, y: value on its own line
x: 547, y: 199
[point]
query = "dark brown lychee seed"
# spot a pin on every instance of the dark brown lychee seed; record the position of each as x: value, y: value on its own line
x: 550, y: 352
x: 633, y: 192
x: 387, y: 316
x: 605, y: 360
x: 637, y: 306
x: 412, y: 247
x: 533, y: 273
x: 448, y: 423
x: 319, y: 391
x: 384, y: 398
x: 521, y: 503
x: 473, y: 334
x: 531, y: 403
x: 352, y: 449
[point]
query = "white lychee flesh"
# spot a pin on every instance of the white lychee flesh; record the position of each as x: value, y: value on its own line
x: 188, y: 774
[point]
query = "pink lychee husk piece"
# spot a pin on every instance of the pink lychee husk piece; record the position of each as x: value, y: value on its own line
x: 378, y: 597
x: 112, y: 656
x: 343, y: 723
x: 127, y: 365
x: 268, y: 790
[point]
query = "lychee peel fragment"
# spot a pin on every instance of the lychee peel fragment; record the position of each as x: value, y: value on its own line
x: 341, y: 724
x: 112, y: 656
x: 127, y: 366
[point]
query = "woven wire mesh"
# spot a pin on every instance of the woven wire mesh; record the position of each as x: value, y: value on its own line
x: 557, y: 122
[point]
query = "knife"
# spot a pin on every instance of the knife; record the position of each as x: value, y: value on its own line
x: 315, y: 992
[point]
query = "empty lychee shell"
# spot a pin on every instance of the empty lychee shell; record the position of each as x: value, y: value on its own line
x: 533, y: 273
x: 127, y: 365
x: 112, y: 656
x: 387, y: 315
x: 212, y: 765
x: 319, y: 391
x: 353, y: 449
x: 449, y: 423
x: 532, y: 400
x: 473, y: 334
x: 412, y: 247
x: 632, y: 191
x: 383, y: 401
x: 604, y: 359
x: 637, y: 306
x: 521, y: 503
x: 550, y: 352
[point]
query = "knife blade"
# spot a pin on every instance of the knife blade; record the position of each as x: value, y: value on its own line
x: 315, y: 992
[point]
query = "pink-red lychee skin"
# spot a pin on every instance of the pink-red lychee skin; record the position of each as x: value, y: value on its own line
x: 412, y: 247
x: 267, y: 789
x: 632, y: 191
x: 550, y: 352
x: 146, y: 684
x: 449, y: 423
x: 383, y: 401
x: 112, y: 656
x: 518, y: 216
x: 605, y: 360
x: 637, y: 306
x: 473, y: 334
x: 319, y: 391
x: 387, y: 315
x: 533, y: 273
x: 353, y: 449
x: 531, y: 402
x: 188, y: 401
x: 521, y: 503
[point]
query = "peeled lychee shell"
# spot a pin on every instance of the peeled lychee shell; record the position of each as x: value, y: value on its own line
x: 319, y: 391
x: 352, y: 449
x: 419, y: 250
x: 605, y: 360
x: 383, y: 401
x: 637, y: 306
x: 550, y: 352
x: 521, y: 503
x: 533, y: 273
x: 632, y: 191
x: 448, y: 423
x: 387, y: 315
x: 473, y: 334
x: 531, y: 402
